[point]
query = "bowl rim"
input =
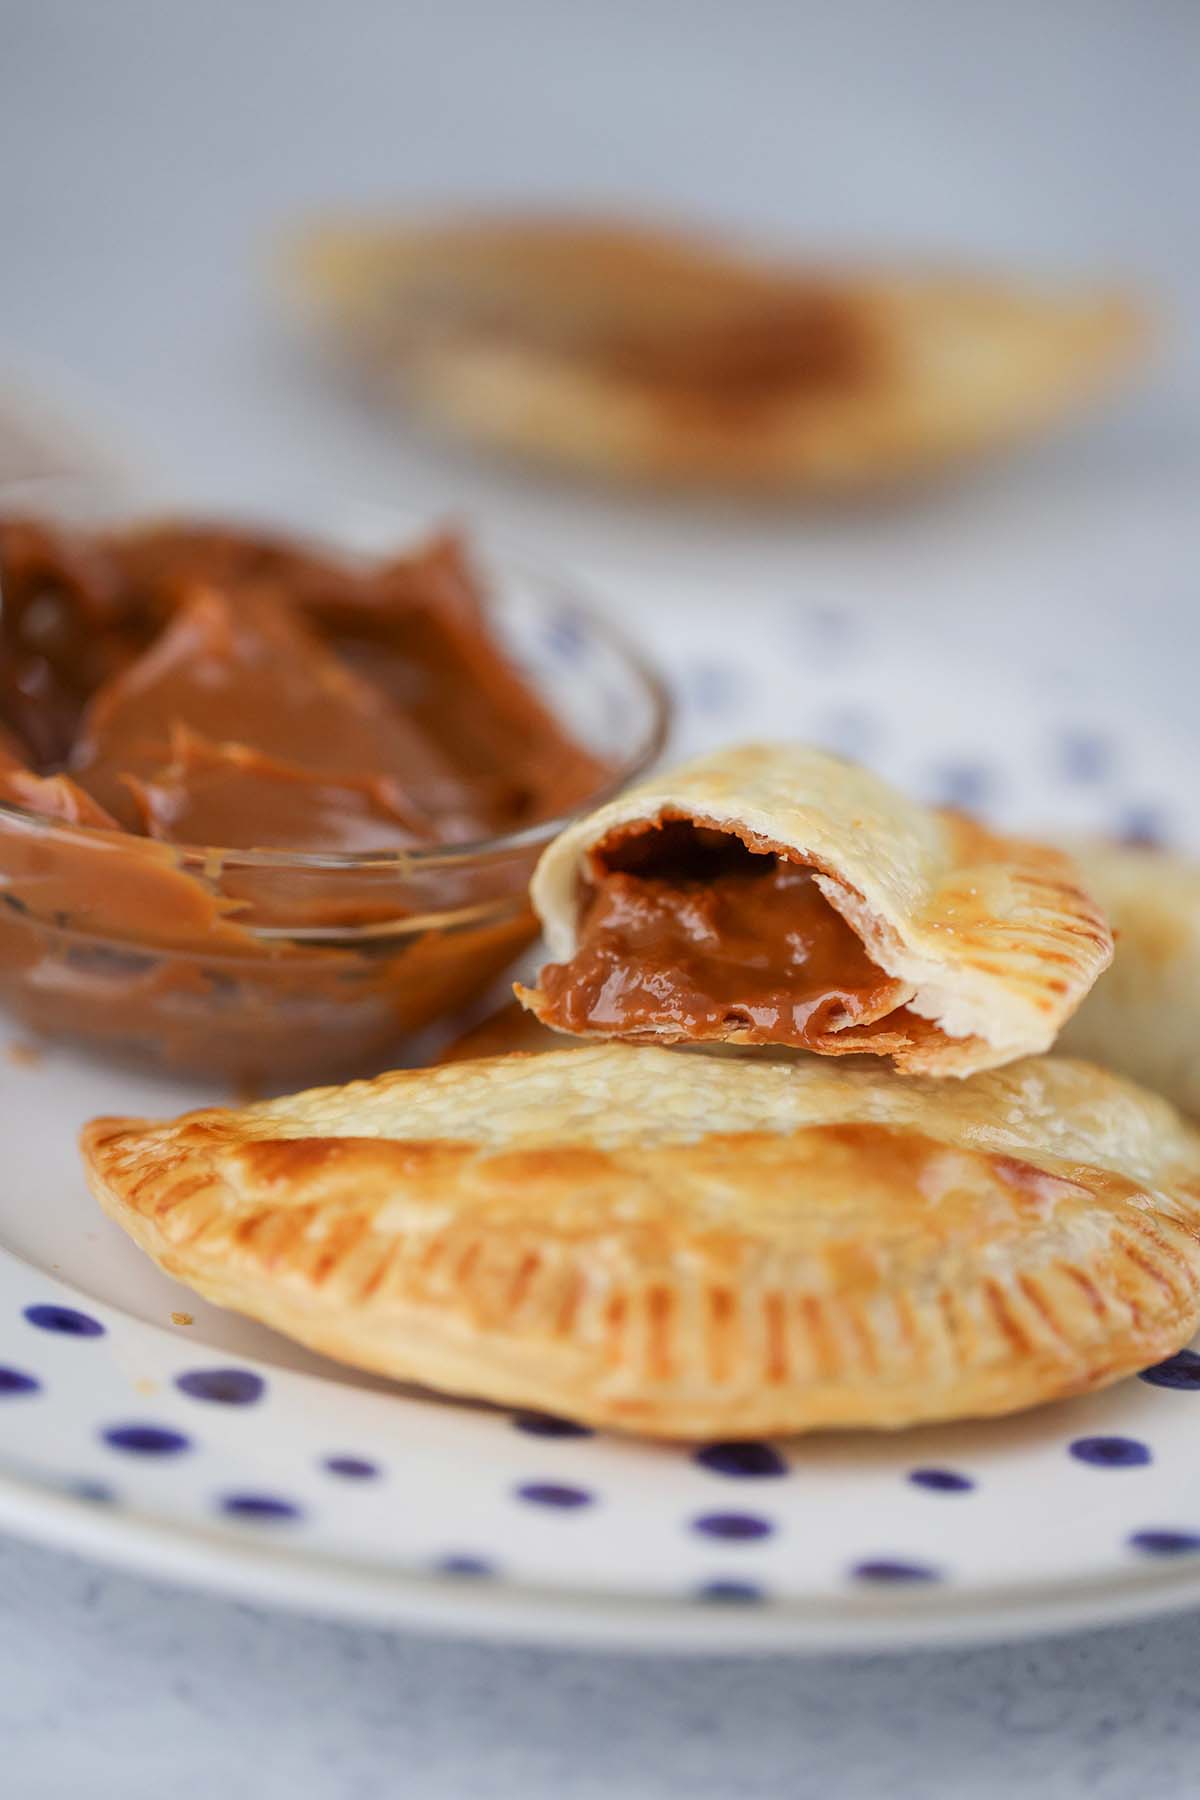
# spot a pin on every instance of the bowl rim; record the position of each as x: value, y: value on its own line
x: 421, y: 858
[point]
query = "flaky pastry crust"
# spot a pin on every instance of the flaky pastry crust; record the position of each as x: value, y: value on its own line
x: 690, y: 1246
x: 996, y: 939
x: 1143, y: 1017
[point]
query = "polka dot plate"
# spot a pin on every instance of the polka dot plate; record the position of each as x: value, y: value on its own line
x: 140, y: 1425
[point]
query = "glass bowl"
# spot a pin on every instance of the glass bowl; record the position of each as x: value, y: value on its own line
x: 206, y: 961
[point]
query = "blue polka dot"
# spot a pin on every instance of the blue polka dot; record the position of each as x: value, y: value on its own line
x: 545, y: 1425
x: 554, y: 1494
x: 226, y: 1387
x: 1142, y: 827
x: 711, y: 687
x: 353, y: 1468
x: 731, y: 1593
x: 885, y: 1570
x: 1111, y: 1452
x: 1165, y: 1543
x: 1181, y: 1371
x: 64, y: 1320
x: 1085, y: 756
x: 465, y: 1567
x: 264, y: 1507
x: 565, y: 637
x: 146, y: 1440
x: 733, y: 1527
x: 941, y: 1481
x: 16, y: 1381
x: 743, y: 1460
x: 965, y: 785
x: 98, y: 1493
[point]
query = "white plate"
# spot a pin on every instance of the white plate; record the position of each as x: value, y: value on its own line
x: 287, y: 1478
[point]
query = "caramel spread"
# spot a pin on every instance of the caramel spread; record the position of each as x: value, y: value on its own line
x: 178, y: 660
x: 688, y: 934
x: 179, y: 687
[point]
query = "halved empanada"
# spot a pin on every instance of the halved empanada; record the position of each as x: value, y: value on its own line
x: 774, y: 894
x: 650, y: 355
x: 690, y: 1245
x: 1143, y: 1017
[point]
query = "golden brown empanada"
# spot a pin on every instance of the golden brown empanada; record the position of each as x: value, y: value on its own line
x: 642, y: 354
x: 690, y: 1245
x: 774, y: 894
x: 1143, y: 1016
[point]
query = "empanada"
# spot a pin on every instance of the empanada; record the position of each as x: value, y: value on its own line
x: 646, y: 355
x: 690, y: 1245
x: 774, y: 894
x: 1143, y: 1017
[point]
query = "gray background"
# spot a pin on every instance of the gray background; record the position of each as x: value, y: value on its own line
x: 147, y: 154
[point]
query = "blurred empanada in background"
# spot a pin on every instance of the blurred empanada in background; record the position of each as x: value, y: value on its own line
x: 1143, y: 1016
x: 644, y: 355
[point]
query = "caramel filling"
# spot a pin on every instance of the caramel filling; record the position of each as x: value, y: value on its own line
x: 199, y: 685
x: 182, y: 685
x: 688, y: 934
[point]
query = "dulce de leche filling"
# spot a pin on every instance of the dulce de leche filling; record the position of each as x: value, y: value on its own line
x: 688, y: 934
x: 186, y: 693
x: 200, y: 685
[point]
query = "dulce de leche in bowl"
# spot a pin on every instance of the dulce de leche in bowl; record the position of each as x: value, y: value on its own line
x: 267, y: 808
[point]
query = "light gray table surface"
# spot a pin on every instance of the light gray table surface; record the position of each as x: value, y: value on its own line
x: 112, y: 1686
x: 147, y: 151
